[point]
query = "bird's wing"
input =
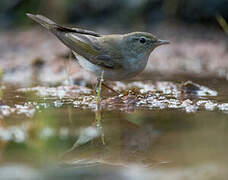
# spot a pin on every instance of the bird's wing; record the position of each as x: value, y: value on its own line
x: 89, y: 47
x: 77, y: 30
x: 85, y: 43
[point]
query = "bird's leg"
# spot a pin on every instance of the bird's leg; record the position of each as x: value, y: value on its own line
x: 105, y: 85
x: 98, y: 88
x: 97, y: 85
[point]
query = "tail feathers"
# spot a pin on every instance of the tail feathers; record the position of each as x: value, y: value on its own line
x: 47, y: 23
x: 55, y: 28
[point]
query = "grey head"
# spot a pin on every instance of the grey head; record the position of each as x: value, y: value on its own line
x: 139, y: 43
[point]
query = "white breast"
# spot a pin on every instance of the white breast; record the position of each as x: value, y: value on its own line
x: 133, y: 68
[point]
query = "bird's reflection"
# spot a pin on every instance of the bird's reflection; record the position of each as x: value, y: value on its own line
x: 89, y: 133
x: 98, y: 122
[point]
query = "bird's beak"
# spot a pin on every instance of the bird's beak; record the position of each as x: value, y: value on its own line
x: 161, y: 42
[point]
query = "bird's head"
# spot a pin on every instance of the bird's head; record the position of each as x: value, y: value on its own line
x: 141, y: 43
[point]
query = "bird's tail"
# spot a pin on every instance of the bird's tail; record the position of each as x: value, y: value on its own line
x: 45, y: 22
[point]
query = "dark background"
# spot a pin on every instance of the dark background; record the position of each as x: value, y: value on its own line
x: 126, y: 13
x: 197, y: 30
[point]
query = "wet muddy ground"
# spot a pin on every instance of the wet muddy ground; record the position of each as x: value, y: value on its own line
x: 170, y: 122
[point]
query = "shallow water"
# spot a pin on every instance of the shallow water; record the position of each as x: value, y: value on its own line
x: 151, y: 131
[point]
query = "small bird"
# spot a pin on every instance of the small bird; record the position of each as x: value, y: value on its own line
x: 115, y: 56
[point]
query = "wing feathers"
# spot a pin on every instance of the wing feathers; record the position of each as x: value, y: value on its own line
x: 82, y: 41
x: 77, y: 30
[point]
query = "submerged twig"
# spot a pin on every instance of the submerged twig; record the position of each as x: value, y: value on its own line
x: 105, y: 85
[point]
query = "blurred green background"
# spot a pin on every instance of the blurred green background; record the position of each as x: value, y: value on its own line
x: 106, y: 12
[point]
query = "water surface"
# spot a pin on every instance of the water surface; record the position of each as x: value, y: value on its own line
x: 44, y: 133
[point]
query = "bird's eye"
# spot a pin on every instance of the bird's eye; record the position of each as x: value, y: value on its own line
x: 142, y: 40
